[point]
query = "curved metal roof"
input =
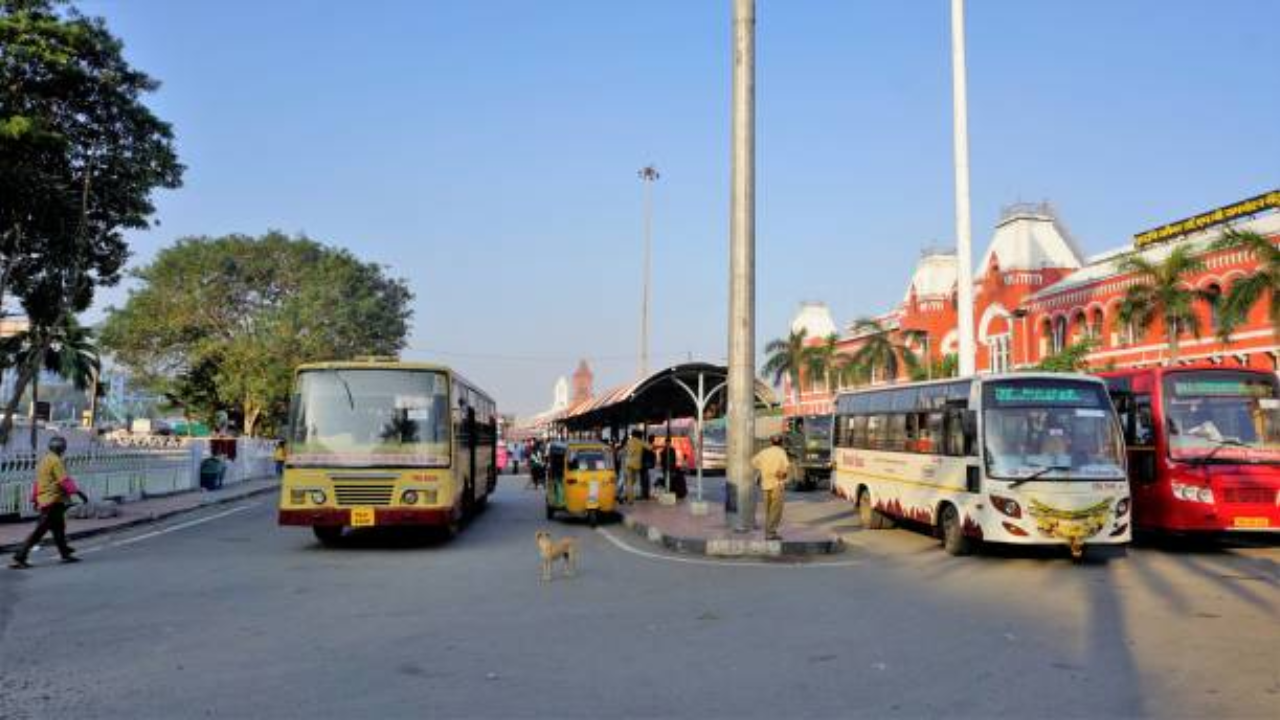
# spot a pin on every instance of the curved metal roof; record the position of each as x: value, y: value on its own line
x: 655, y: 397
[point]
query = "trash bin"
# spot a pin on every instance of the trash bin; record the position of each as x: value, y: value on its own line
x: 211, y: 472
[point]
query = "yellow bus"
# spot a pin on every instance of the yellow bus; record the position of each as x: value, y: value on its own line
x: 380, y: 442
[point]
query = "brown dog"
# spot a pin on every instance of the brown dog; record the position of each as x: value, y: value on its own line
x: 564, y: 550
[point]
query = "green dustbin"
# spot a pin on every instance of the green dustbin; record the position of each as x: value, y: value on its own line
x: 211, y: 472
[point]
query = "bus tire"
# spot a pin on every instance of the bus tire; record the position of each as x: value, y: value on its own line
x: 328, y: 535
x: 953, y: 538
x: 872, y: 519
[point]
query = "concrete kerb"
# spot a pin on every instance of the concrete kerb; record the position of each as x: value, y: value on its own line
x: 733, y: 547
x: 154, y: 516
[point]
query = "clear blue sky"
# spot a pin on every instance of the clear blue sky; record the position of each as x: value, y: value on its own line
x: 487, y: 151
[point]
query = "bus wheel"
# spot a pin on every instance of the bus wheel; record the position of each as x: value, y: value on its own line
x: 328, y: 535
x: 872, y: 519
x: 953, y: 537
x: 593, y: 517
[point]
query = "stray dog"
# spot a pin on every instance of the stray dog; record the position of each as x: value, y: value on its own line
x: 549, y: 550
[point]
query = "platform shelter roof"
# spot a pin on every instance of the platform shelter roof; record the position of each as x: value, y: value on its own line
x: 656, y: 397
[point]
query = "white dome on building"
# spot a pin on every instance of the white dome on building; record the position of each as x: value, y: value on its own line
x: 815, y: 319
x: 1029, y: 237
x: 935, y: 276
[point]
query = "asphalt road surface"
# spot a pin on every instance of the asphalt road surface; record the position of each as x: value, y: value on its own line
x: 225, y: 615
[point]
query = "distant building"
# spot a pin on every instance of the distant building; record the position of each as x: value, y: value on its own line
x: 1035, y: 294
x: 582, y: 383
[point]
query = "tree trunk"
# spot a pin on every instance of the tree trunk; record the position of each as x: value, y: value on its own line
x: 1171, y: 331
x: 35, y: 400
x: 11, y: 407
x: 251, y: 413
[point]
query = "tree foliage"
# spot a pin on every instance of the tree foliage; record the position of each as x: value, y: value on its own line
x: 788, y: 358
x: 1072, y: 358
x: 1161, y: 291
x: 220, y: 323
x: 880, y: 354
x: 1262, y: 283
x: 66, y: 348
x: 80, y: 156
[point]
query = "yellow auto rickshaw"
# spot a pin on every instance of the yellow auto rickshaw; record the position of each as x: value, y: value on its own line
x: 580, y: 479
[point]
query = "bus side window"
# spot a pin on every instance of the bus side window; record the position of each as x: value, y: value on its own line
x: 876, y: 432
x: 1142, y: 422
x: 936, y: 435
x: 859, y: 438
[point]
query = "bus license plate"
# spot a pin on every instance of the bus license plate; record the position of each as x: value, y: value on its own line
x: 1252, y: 522
x: 362, y: 517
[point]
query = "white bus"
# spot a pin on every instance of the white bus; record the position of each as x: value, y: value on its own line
x: 1027, y: 459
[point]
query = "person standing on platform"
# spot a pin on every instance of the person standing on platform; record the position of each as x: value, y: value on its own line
x: 774, y: 468
x: 636, y: 449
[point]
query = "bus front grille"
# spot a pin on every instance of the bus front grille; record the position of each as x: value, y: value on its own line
x: 1249, y: 495
x: 352, y: 494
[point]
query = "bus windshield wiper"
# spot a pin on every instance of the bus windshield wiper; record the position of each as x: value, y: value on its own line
x: 350, y: 399
x: 1038, y: 474
x: 1219, y: 444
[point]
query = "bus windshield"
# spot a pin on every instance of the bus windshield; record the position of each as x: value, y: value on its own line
x: 818, y: 426
x: 1050, y: 430
x: 1223, y: 416
x: 370, y: 418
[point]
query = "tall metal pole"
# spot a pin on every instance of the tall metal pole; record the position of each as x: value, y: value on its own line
x: 964, y: 242
x: 742, y: 263
x: 648, y: 174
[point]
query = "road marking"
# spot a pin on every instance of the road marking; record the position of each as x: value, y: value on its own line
x: 720, y: 563
x: 167, y: 530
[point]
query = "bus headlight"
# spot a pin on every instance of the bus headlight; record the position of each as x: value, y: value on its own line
x: 410, y: 497
x: 1007, y: 506
x: 1192, y: 493
x: 1205, y: 495
x: 1122, y: 507
x: 318, y: 497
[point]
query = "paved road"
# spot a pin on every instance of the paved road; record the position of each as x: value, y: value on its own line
x: 226, y: 615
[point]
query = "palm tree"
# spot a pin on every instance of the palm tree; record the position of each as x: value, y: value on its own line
x: 879, y: 351
x: 825, y: 361
x: 788, y: 358
x: 1265, y: 281
x: 1161, y: 291
x: 65, y: 347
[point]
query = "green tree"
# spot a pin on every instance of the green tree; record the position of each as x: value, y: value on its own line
x: 67, y: 349
x: 788, y: 358
x: 1161, y: 291
x: 825, y: 361
x: 880, y: 353
x: 220, y: 323
x: 1072, y: 358
x: 81, y: 156
x: 946, y: 366
x: 1263, y: 282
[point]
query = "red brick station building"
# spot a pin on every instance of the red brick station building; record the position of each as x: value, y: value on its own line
x: 1035, y: 293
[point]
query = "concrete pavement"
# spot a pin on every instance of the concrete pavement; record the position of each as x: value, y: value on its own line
x: 234, y: 617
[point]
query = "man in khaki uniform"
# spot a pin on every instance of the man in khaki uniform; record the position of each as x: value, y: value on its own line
x: 52, y: 491
x: 636, y: 447
x: 774, y: 468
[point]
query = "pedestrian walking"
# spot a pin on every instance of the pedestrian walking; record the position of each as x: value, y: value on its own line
x: 649, y: 461
x: 51, y: 493
x: 279, y: 456
x: 636, y: 448
x: 774, y: 467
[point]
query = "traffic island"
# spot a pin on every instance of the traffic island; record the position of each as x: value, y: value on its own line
x: 676, y: 528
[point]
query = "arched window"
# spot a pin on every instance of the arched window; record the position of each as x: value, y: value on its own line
x: 1059, y: 333
x: 1096, y: 325
x: 1213, y: 299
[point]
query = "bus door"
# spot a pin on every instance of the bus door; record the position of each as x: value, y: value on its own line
x: 1132, y: 398
x: 472, y: 437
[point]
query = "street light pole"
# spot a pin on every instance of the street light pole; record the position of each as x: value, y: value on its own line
x: 742, y: 231
x: 648, y: 174
x: 964, y: 251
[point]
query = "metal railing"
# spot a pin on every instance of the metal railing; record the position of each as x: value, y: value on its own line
x: 130, y: 473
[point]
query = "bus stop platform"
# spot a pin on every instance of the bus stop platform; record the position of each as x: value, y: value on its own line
x: 807, y: 526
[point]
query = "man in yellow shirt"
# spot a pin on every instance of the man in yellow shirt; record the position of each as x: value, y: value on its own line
x: 774, y: 468
x: 636, y: 447
x: 53, y: 490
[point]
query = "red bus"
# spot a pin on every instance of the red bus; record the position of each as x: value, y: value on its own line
x: 1204, y: 447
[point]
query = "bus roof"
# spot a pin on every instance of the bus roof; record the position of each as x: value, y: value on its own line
x: 937, y: 394
x: 380, y: 363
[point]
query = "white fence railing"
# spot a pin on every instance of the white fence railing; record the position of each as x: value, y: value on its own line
x: 127, y: 474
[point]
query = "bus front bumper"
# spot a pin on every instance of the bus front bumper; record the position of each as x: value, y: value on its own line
x: 341, y: 517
